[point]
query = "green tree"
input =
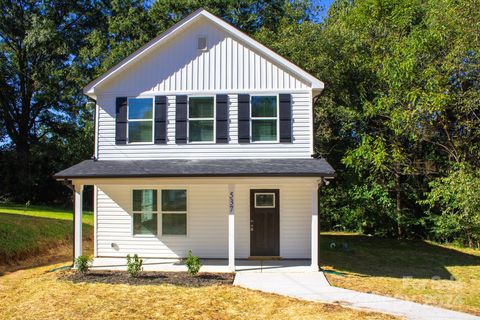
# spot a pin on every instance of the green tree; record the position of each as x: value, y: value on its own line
x: 40, y: 80
x: 456, y: 196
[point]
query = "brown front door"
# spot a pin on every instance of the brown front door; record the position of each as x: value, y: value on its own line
x: 265, y: 222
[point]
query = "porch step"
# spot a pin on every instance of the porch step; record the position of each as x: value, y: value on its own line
x: 264, y: 258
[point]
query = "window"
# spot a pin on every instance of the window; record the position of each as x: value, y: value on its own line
x: 264, y: 200
x: 174, y: 212
x: 264, y: 116
x: 144, y: 212
x: 201, y: 119
x: 140, y: 120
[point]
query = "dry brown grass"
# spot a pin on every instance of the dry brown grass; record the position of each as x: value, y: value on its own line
x: 35, y: 294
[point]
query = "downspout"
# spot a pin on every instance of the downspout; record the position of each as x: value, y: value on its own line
x: 70, y: 186
x: 314, y: 101
x: 318, y: 221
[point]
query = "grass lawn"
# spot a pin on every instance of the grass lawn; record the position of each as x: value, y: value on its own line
x: 35, y: 294
x: 419, y: 271
x: 31, y: 234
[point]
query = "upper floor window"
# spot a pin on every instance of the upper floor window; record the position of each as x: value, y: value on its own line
x: 140, y: 120
x: 201, y: 119
x: 264, y: 119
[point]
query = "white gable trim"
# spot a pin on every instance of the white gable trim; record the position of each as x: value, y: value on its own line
x: 297, y: 71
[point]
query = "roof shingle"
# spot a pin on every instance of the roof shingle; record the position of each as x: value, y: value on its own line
x: 198, y: 168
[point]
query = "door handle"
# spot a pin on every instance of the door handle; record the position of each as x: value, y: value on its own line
x: 251, y: 225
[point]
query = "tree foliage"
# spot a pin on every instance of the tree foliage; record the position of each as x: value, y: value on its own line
x: 398, y: 119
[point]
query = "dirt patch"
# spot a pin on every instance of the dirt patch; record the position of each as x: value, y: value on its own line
x: 149, y: 278
x: 59, y: 254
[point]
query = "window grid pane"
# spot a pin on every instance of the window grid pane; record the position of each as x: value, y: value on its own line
x: 200, y: 107
x: 140, y: 131
x: 174, y: 224
x: 264, y: 106
x: 264, y: 130
x: 140, y: 108
x: 145, y: 223
x: 200, y: 130
x: 264, y: 200
x: 174, y: 200
x: 145, y: 200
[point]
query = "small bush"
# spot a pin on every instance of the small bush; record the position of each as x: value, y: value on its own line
x: 83, y: 263
x: 193, y: 264
x: 134, y: 265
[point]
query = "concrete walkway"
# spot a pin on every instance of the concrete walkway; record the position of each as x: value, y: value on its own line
x: 313, y: 286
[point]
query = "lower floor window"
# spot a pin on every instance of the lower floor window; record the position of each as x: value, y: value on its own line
x: 144, y: 211
x: 174, y: 212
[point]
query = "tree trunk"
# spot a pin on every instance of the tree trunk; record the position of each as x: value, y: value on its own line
x: 470, y: 240
x: 398, y: 190
x: 24, y: 183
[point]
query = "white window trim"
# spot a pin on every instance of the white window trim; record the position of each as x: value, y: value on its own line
x: 197, y: 119
x: 141, y: 120
x: 161, y: 212
x: 136, y: 212
x: 264, y: 193
x: 265, y: 118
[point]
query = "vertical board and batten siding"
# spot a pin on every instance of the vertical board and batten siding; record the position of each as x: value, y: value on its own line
x: 178, y: 66
x: 227, y: 67
x: 207, y: 222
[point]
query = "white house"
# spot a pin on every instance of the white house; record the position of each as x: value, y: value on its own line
x: 203, y: 142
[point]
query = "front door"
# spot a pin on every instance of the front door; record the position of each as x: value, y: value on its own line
x: 264, y: 222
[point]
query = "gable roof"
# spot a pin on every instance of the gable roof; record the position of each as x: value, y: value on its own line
x: 314, y: 83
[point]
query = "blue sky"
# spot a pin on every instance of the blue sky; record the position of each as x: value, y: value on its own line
x: 325, y: 4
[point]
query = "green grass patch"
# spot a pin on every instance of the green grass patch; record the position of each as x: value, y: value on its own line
x: 420, y: 271
x: 45, y: 212
x: 26, y: 232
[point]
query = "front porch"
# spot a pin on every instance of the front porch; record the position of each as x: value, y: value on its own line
x: 220, y: 224
x: 208, y: 265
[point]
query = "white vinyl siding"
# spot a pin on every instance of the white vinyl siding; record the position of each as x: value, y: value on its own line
x: 300, y: 147
x: 178, y: 65
x: 227, y: 67
x: 207, y: 222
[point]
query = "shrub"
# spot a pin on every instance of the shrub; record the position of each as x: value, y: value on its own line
x: 193, y: 264
x: 83, y: 263
x: 134, y: 265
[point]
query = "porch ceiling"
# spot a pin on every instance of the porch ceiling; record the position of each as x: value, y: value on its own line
x: 199, y: 168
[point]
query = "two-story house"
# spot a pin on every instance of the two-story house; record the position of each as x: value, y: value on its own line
x: 203, y: 142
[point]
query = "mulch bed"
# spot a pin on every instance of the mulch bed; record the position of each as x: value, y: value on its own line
x: 149, y: 278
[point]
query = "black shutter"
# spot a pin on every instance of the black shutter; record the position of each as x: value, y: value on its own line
x: 285, y: 118
x: 244, y: 118
x: 160, y: 119
x: 181, y: 119
x: 121, y: 120
x: 222, y: 118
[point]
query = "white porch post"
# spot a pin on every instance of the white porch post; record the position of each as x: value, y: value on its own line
x: 314, y: 246
x: 231, y: 227
x: 78, y: 220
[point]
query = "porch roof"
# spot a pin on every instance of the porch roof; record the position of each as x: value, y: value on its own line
x: 198, y: 168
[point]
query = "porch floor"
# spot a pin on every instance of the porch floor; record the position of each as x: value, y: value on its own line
x: 208, y: 265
